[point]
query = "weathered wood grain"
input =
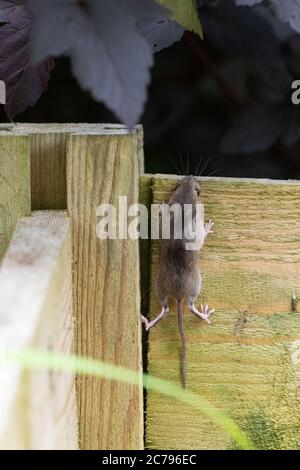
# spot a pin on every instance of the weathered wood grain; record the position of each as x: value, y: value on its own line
x: 14, y: 185
x: 37, y: 408
x: 106, y: 288
x: 48, y: 156
x: 248, y: 361
x: 48, y: 170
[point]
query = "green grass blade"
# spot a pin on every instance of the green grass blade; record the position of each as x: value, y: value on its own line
x: 37, y: 359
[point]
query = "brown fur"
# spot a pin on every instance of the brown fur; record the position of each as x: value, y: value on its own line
x: 179, y: 275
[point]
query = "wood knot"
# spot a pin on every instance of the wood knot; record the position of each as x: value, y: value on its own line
x: 241, y: 323
x: 294, y: 303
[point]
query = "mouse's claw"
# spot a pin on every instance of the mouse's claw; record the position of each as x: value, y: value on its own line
x: 144, y: 321
x: 204, y: 313
x: 208, y: 228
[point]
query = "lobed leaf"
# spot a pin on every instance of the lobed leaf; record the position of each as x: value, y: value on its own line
x: 269, y: 116
x: 285, y: 10
x: 230, y: 29
x: 161, y: 32
x: 110, y: 56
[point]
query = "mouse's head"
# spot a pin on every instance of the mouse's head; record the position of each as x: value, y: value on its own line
x: 187, y: 191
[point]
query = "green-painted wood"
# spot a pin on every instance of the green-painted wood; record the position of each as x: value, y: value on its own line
x: 248, y: 361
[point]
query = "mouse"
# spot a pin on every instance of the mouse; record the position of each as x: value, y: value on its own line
x: 179, y: 275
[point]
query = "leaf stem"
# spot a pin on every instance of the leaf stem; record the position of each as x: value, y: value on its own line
x: 203, y: 57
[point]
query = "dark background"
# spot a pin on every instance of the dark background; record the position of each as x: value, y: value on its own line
x: 199, y: 90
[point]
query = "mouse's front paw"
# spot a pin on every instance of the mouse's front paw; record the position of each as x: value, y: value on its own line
x: 208, y: 228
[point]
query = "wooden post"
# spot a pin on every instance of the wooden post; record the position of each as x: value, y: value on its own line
x: 14, y: 184
x: 37, y: 408
x: 100, y: 168
x: 246, y: 362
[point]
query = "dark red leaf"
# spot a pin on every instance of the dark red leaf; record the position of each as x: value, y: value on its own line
x: 110, y: 56
x: 24, y: 81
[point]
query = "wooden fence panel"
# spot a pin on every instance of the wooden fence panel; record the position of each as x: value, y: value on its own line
x: 37, y: 408
x: 106, y: 288
x: 248, y: 361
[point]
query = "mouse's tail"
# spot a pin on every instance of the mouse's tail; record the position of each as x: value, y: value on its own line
x: 183, y: 341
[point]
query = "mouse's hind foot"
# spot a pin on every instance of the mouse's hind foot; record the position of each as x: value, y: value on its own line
x: 149, y: 324
x: 204, y: 313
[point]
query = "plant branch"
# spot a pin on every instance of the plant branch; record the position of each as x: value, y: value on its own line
x: 204, y: 58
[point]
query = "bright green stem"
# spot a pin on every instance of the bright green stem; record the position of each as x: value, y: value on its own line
x: 37, y: 359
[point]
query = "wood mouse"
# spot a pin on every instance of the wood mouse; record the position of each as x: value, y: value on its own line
x: 178, y: 274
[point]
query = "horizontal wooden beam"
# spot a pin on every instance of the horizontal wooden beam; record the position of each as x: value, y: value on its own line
x: 246, y: 362
x: 37, y: 408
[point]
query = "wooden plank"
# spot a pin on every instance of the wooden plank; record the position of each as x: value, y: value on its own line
x: 48, y: 157
x: 106, y: 288
x: 248, y: 361
x: 37, y: 408
x: 14, y: 185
